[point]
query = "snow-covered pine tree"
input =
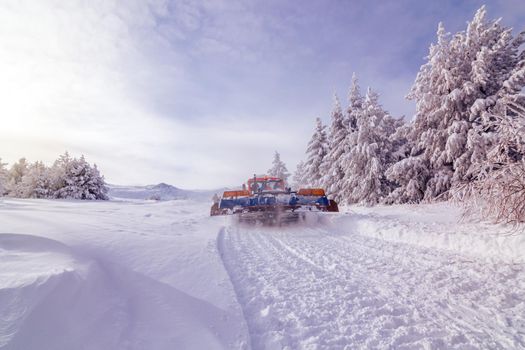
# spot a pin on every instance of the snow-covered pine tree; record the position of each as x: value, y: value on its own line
x: 58, y: 175
x: 410, y: 174
x: 461, y: 69
x: 403, y: 172
x: 353, y: 115
x: 16, y: 174
x: 315, y: 153
x: 37, y: 182
x: 3, y: 178
x: 332, y: 169
x: 366, y: 161
x: 498, y: 189
x: 278, y: 168
x: 298, y: 178
x: 97, y: 188
x: 495, y: 70
x: 355, y: 103
x: 77, y: 179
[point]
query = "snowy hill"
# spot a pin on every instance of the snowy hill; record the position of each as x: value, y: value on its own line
x: 160, y: 191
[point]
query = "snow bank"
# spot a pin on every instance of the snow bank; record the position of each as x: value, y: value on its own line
x: 435, y: 226
x: 114, y: 275
x: 51, y: 298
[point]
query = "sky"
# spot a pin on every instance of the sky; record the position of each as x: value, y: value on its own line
x: 199, y: 94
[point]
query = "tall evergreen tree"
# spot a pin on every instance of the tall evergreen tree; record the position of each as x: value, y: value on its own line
x: 354, y: 113
x: 315, y: 153
x: 77, y: 179
x: 355, y: 103
x: 15, y: 176
x: 333, y: 172
x: 36, y: 183
x: 278, y: 168
x: 366, y: 162
x: 299, y: 175
x: 498, y: 187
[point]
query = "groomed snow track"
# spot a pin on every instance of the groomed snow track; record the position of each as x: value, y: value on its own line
x: 310, y: 288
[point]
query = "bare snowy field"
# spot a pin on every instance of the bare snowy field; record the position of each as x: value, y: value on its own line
x: 164, y: 275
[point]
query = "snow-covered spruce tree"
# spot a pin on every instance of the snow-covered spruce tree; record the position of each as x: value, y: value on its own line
x: 332, y: 168
x: 498, y: 189
x: 410, y: 175
x: 278, y: 168
x: 58, y: 174
x: 355, y: 104
x: 77, y: 179
x: 14, y: 179
x: 461, y: 69
x: 315, y: 153
x: 97, y: 185
x: 37, y: 182
x: 298, y: 178
x: 372, y: 153
x: 401, y: 173
x: 353, y: 115
x: 3, y: 178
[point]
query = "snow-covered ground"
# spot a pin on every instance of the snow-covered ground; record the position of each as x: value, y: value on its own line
x: 114, y: 275
x: 164, y: 275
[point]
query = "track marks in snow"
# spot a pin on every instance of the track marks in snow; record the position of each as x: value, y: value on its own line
x: 309, y: 288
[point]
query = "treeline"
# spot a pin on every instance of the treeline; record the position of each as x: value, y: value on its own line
x: 67, y: 178
x: 465, y: 142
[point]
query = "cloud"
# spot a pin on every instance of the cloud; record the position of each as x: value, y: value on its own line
x: 87, y: 77
x: 200, y: 93
x: 66, y: 79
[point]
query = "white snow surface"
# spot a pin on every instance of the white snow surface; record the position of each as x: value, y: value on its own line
x: 114, y: 275
x: 164, y: 275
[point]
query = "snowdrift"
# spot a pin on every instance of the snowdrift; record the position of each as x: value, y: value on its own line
x: 434, y: 226
x: 54, y: 298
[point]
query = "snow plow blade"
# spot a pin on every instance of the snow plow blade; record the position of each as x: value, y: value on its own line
x: 268, y: 202
x: 271, y: 216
